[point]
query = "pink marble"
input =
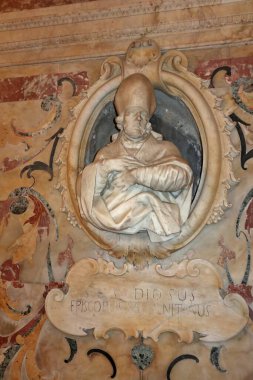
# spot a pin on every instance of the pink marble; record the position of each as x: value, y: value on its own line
x: 15, y: 5
x: 240, y: 67
x: 38, y: 86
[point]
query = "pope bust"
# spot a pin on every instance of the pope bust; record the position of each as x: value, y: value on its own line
x: 138, y: 182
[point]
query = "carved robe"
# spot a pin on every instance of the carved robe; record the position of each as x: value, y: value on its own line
x: 159, y: 201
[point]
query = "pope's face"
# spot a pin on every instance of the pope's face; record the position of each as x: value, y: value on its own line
x: 135, y: 120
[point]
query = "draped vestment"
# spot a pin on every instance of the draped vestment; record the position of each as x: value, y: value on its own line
x: 159, y: 201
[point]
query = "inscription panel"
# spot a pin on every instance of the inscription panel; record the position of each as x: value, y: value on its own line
x: 183, y: 298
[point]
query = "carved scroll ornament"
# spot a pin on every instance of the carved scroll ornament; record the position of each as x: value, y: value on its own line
x: 147, y: 302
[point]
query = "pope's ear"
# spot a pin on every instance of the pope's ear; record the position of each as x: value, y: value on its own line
x: 119, y: 122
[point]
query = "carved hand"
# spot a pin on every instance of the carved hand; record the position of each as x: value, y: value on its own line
x: 124, y: 180
x: 118, y: 164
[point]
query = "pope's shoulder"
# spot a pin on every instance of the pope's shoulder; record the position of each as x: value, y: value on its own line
x: 152, y: 147
x: 163, y: 147
x: 110, y: 150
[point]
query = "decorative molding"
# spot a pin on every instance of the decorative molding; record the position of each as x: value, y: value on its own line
x: 120, y: 34
x: 56, y: 34
x: 101, y: 14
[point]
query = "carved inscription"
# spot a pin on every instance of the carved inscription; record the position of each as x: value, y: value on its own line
x: 143, y: 300
x: 183, y: 298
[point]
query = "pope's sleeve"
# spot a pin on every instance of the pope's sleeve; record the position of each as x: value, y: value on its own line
x: 172, y: 175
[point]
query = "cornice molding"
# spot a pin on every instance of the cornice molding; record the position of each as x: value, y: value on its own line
x: 162, y: 28
x: 92, y: 30
x: 83, y: 15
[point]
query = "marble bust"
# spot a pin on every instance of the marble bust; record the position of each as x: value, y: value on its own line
x: 138, y: 182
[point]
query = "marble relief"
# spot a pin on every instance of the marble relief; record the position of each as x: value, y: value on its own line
x: 184, y: 298
x: 138, y: 182
x: 40, y: 248
x: 102, y: 211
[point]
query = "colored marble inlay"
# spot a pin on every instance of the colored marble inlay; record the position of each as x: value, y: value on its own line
x: 17, y: 5
x: 39, y: 86
x: 240, y: 67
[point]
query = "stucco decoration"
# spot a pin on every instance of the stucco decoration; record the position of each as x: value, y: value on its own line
x: 148, y: 302
x: 204, y: 143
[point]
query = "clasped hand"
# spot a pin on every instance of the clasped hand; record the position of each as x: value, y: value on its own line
x: 123, y: 180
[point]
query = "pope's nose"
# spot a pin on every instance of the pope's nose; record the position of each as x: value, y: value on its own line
x: 138, y: 115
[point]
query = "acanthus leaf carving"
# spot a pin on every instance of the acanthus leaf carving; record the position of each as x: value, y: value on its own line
x: 173, y: 60
x: 110, y: 68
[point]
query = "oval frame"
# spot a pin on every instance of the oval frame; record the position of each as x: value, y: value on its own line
x: 169, y: 74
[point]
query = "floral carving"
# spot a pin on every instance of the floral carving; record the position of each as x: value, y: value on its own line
x: 245, y: 291
x: 38, y: 224
x: 243, y: 288
x: 226, y: 253
x: 10, y: 272
x: 249, y: 217
x: 66, y: 255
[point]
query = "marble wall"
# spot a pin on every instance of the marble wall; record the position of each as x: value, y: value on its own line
x: 38, y: 245
x: 14, y: 5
